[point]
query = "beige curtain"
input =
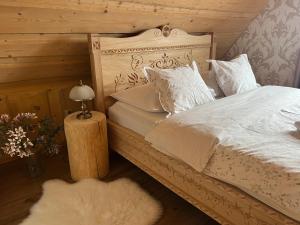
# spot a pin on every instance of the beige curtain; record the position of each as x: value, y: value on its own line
x: 297, y: 75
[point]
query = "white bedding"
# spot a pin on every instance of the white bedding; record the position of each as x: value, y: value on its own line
x: 247, y: 140
x: 134, y: 118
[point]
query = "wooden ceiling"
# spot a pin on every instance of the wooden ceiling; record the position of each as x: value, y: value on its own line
x: 228, y: 18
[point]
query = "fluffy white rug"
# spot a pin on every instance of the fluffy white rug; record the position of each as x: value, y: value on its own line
x: 92, y: 202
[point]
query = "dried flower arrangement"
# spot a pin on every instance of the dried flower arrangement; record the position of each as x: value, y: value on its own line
x: 27, y: 136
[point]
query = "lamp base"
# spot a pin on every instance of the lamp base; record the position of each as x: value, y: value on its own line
x: 84, y: 115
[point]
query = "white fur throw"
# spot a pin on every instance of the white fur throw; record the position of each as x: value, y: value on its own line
x: 92, y: 202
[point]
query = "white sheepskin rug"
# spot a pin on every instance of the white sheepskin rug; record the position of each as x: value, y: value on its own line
x: 92, y: 202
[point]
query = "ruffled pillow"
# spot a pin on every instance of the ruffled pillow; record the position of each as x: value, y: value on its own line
x: 235, y: 76
x: 143, y: 97
x: 179, y: 89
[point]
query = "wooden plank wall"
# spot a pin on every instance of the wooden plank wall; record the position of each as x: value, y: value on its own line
x: 43, y: 43
x: 37, y: 72
x: 225, y: 17
x: 33, y: 67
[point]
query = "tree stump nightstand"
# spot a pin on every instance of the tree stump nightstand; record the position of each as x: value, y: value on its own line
x: 87, y: 146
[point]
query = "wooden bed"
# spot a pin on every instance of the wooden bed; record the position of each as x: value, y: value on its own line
x: 117, y: 64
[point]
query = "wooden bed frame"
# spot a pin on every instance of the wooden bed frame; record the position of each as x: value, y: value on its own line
x: 117, y: 64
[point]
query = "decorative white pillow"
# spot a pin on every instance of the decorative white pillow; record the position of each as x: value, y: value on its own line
x: 235, y: 76
x: 213, y: 86
x: 143, y: 97
x: 179, y: 89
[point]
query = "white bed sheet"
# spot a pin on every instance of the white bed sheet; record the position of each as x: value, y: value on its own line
x: 247, y: 140
x: 254, y: 180
x: 133, y: 118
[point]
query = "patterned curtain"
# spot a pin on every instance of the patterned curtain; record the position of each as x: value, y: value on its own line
x: 272, y: 42
x: 297, y: 75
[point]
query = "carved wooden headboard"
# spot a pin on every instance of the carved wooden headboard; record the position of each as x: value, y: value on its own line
x: 117, y: 62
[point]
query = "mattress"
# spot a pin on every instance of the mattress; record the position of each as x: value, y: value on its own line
x: 134, y: 118
x: 247, y: 140
x: 266, y: 184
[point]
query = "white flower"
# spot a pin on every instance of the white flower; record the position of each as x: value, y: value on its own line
x: 22, y: 116
x: 17, y: 143
x: 4, y: 118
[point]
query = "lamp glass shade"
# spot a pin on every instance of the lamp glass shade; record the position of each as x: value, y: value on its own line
x: 82, y: 93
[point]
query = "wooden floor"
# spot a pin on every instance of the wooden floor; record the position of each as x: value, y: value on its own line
x: 18, y: 192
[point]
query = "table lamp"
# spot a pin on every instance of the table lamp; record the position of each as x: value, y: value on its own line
x: 82, y: 93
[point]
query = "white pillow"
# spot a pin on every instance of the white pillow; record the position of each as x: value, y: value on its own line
x: 235, y: 76
x: 179, y: 89
x: 213, y: 86
x: 143, y: 97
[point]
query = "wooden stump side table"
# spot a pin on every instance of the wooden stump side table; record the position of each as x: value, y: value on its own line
x: 87, y: 146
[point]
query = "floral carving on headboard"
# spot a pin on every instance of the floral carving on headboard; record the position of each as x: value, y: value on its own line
x: 96, y: 45
x: 136, y: 61
x: 133, y: 78
x: 136, y: 77
x: 129, y: 81
x: 165, y: 62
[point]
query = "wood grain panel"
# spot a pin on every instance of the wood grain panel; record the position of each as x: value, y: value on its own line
x: 33, y: 101
x: 201, y: 7
x: 28, y: 45
x: 3, y: 104
x: 226, y: 39
x: 214, y: 5
x: 25, y: 45
x: 117, y: 19
x: 127, y: 16
x: 51, y: 96
x: 30, y: 68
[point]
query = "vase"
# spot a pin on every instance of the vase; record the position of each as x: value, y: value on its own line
x: 34, y: 166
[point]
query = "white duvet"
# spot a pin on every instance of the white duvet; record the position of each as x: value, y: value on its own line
x: 247, y: 140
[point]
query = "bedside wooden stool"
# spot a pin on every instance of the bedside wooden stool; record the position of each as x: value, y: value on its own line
x: 87, y: 146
